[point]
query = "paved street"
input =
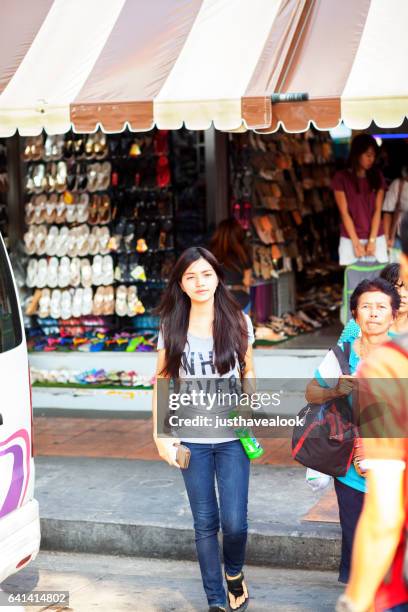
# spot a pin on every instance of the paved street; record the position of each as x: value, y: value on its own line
x: 122, y: 584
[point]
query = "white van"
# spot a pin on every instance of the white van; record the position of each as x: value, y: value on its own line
x: 19, y: 515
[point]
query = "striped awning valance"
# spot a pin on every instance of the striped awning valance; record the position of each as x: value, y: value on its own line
x: 119, y: 63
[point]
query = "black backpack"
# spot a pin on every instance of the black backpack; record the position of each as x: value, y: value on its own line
x: 325, y: 439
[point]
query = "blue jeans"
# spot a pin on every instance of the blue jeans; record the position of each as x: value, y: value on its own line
x: 350, y: 505
x: 401, y: 608
x: 228, y: 463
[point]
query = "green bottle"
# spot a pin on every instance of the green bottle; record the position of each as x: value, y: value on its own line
x: 251, y: 445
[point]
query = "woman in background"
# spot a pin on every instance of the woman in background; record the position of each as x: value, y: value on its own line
x: 374, y: 305
x: 359, y: 194
x: 230, y: 248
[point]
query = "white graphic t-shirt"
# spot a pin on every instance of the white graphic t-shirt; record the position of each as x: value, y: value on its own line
x: 197, y: 362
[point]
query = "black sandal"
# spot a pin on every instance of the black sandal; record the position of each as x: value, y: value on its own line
x: 237, y: 590
x: 217, y: 609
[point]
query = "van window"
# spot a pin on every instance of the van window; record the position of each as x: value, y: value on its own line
x: 10, y: 326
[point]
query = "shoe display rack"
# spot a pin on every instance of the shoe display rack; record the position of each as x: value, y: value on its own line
x: 280, y: 192
x: 3, y: 191
x: 100, y: 239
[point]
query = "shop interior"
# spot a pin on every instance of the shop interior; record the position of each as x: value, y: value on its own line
x: 94, y: 222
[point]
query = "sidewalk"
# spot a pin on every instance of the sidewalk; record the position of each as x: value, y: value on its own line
x: 100, y: 583
x: 102, y: 490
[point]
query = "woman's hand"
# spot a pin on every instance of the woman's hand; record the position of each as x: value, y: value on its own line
x: 345, y: 385
x: 359, y: 249
x: 165, y: 448
x: 370, y: 248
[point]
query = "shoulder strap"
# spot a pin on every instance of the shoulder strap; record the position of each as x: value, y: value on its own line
x: 343, y: 356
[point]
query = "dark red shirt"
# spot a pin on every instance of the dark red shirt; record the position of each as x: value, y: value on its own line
x: 361, y: 205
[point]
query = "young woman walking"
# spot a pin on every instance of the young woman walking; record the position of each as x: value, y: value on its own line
x: 204, y: 334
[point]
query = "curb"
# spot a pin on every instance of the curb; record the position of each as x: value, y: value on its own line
x: 306, y: 548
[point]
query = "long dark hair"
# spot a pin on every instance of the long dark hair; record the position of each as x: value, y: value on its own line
x: 230, y: 331
x: 229, y: 244
x: 359, y: 145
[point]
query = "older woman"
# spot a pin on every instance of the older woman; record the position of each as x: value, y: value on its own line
x: 374, y: 305
x: 390, y: 273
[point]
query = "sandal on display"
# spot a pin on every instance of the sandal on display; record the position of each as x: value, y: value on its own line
x: 51, y: 241
x: 32, y: 269
x: 86, y: 273
x: 79, y: 147
x: 44, y: 304
x: 121, y: 307
x: 103, y: 239
x: 93, y: 241
x: 64, y: 272
x: 264, y: 333
x: 72, y: 248
x: 66, y: 305
x: 50, y: 212
x: 62, y: 242
x: 97, y: 273
x: 71, y: 213
x: 87, y: 300
x: 52, y: 273
x: 60, y: 211
x: 68, y: 148
x: 33, y: 304
x: 104, y: 211
x: 103, y: 176
x: 89, y: 146
x: 61, y: 177
x: 121, y: 268
x: 83, y: 240
x: 107, y: 270
x: 39, y: 213
x: 29, y: 213
x: 109, y: 301
x: 83, y: 208
x: 100, y: 146
x: 29, y: 242
x: 92, y: 174
x: 93, y: 210
x: 40, y: 237
x: 75, y: 272
x: 55, y: 306
x: 98, y: 301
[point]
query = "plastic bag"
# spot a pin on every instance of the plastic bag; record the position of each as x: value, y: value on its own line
x: 316, y: 480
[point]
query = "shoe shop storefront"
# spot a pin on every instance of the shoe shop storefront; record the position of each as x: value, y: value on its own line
x: 134, y: 151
